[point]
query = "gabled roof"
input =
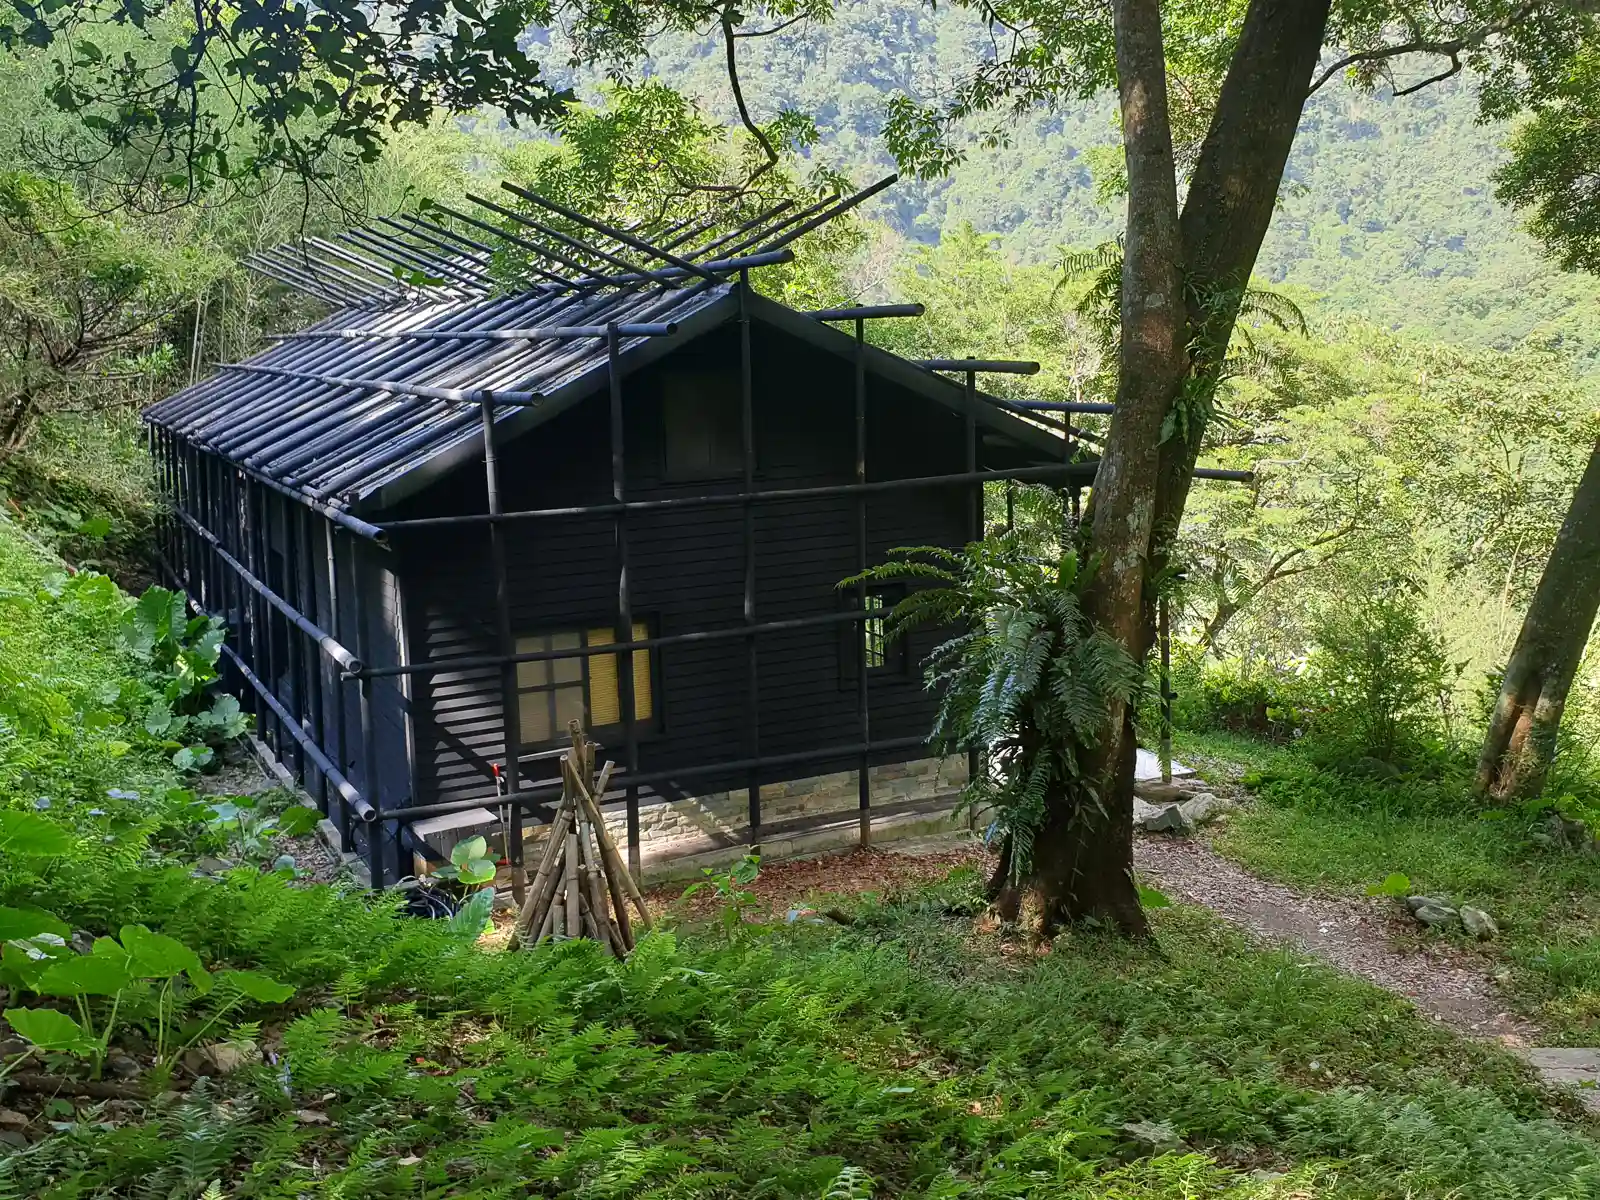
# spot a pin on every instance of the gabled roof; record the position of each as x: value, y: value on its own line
x: 311, y: 413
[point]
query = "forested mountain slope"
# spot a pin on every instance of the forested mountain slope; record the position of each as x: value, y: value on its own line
x: 1389, y: 209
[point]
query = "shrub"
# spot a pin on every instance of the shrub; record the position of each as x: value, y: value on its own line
x: 1235, y: 696
x: 1380, y: 677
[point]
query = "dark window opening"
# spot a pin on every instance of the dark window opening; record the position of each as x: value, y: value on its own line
x: 868, y: 641
x: 702, y: 425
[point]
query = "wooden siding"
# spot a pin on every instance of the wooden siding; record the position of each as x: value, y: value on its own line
x: 688, y: 568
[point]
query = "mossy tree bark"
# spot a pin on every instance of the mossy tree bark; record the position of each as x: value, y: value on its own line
x: 1521, y: 741
x: 1183, y: 279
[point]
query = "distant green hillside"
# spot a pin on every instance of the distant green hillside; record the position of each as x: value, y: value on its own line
x: 1389, y: 211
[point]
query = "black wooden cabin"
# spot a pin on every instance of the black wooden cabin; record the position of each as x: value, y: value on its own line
x: 444, y: 504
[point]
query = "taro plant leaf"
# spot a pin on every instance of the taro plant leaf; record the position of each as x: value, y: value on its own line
x: 193, y: 758
x: 27, y: 833
x: 51, y: 1030
x: 473, y: 917
x: 157, y: 956
x: 25, y: 959
x: 465, y: 851
x: 159, y: 720
x: 255, y: 986
x: 21, y: 923
x: 476, y: 871
x: 84, y: 975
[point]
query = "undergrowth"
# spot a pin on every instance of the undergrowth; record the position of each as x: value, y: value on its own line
x: 346, y: 1051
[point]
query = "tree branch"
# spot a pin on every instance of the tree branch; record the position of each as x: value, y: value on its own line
x: 1451, y: 48
x: 728, y: 37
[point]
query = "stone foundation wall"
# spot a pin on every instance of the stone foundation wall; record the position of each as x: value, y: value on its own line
x: 678, y: 837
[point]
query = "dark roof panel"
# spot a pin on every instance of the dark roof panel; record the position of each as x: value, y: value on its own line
x: 304, y: 412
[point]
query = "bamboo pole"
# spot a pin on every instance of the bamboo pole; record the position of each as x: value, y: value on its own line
x: 613, y: 859
x: 574, y: 919
x: 529, y: 915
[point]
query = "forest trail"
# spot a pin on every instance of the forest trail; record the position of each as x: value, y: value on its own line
x: 1355, y: 938
x: 1348, y: 934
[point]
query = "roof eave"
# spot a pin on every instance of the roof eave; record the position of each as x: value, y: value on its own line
x: 935, y: 387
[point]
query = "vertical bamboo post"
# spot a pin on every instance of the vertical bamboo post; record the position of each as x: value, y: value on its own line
x: 624, y: 628
x: 863, y: 712
x: 574, y: 918
x: 974, y: 530
x: 752, y: 669
x: 510, y: 701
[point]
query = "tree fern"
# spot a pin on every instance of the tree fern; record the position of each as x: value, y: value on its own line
x: 1027, y: 677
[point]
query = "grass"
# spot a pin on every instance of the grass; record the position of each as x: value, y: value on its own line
x: 1317, y: 831
x: 907, y: 1055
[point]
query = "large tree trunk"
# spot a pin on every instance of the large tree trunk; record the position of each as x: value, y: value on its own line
x: 1232, y: 195
x: 1083, y: 857
x: 1522, y: 735
x: 1171, y: 354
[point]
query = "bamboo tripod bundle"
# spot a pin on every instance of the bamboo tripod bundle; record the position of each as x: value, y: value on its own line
x: 583, y: 887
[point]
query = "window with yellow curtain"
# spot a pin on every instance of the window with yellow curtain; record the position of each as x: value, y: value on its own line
x: 552, y: 692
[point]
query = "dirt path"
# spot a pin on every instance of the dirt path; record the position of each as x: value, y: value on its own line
x: 1350, y: 934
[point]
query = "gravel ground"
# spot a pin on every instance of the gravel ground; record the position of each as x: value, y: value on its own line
x: 1354, y: 936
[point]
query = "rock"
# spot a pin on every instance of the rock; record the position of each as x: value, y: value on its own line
x: 1436, y: 916
x: 1159, y: 793
x: 1153, y: 1137
x: 1205, y: 807
x: 10, y: 1137
x: 310, y: 1116
x: 10, y: 1118
x: 1143, y: 812
x: 212, y: 865
x: 1416, y: 902
x: 220, y: 1058
x: 123, y: 1065
x: 1478, y: 923
x: 1171, y: 819
x: 1373, y: 768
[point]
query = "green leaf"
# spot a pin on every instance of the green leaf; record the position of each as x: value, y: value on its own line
x: 96, y: 527
x: 85, y: 975
x: 27, y: 833
x: 1394, y: 884
x: 51, y: 1030
x: 1151, y: 898
x: 22, y: 923
x: 473, y: 916
x: 465, y: 851
x: 477, y: 871
x: 155, y: 955
x: 258, y: 987
x: 297, y: 820
x: 159, y: 719
x: 193, y: 758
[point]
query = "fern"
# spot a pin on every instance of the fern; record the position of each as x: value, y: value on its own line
x: 1029, y: 679
x: 851, y: 1183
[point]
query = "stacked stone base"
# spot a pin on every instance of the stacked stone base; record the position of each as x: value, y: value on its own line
x: 679, y: 837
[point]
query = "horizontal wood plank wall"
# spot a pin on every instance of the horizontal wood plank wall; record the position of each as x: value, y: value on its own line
x: 688, y: 569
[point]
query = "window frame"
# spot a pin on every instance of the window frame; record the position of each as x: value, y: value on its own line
x: 733, y: 469
x: 896, y: 654
x: 644, y: 727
